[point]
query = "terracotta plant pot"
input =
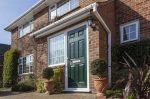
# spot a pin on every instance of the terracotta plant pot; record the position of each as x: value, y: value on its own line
x: 49, y: 85
x: 100, y: 85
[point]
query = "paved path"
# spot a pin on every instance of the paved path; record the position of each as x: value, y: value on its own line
x: 34, y: 95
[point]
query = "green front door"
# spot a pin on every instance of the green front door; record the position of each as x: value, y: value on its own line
x: 77, y: 68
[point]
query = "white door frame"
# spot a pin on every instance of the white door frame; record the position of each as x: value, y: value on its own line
x: 87, y: 50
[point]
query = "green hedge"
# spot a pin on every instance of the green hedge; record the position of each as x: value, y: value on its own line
x: 138, y: 51
x: 10, y: 70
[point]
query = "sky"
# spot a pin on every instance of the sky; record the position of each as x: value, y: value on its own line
x: 9, y: 11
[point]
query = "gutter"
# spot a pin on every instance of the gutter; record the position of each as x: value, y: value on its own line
x: 96, y: 13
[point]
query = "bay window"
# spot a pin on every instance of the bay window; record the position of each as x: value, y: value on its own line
x: 56, y: 50
x: 62, y: 7
x: 25, y: 64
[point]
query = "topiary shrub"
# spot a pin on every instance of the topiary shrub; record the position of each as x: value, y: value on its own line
x: 48, y: 73
x: 27, y: 85
x: 10, y: 69
x: 99, y: 68
x: 40, y: 86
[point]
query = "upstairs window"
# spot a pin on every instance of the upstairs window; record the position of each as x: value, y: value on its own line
x: 25, y: 64
x: 62, y: 7
x: 25, y: 29
x: 129, y: 31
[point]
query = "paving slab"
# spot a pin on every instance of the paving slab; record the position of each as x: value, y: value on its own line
x: 34, y: 95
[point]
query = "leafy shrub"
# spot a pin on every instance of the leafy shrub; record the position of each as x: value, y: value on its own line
x: 48, y: 73
x: 135, y: 50
x: 40, y: 86
x: 117, y: 93
x: 139, y: 79
x: 27, y: 85
x: 10, y: 67
x: 99, y: 68
x: 58, y: 84
x: 119, y: 77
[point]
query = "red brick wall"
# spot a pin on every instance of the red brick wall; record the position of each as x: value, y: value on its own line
x: 39, y: 47
x: 97, y: 49
x: 41, y: 18
x: 129, y: 10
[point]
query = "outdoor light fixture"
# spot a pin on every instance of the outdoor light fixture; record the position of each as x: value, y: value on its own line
x: 91, y: 23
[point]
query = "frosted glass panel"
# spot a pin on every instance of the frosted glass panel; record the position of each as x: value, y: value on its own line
x: 56, y: 50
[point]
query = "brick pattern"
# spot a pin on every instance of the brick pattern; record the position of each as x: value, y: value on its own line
x: 97, y: 48
x: 129, y: 10
x: 41, y: 19
x: 39, y: 47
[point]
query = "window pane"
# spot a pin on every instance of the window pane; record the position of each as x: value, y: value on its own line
x: 56, y: 50
x: 20, y: 69
x: 126, y: 30
x: 63, y: 7
x: 24, y: 65
x: 132, y: 28
x: 31, y: 67
x: 27, y: 68
x: 20, y: 32
x: 132, y: 35
x: 126, y: 37
x: 74, y: 3
x: 53, y: 14
x: 26, y: 28
x: 125, y: 33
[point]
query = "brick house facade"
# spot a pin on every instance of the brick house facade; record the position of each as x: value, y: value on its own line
x: 111, y: 15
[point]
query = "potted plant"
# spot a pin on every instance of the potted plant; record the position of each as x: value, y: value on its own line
x: 99, y: 68
x: 48, y: 84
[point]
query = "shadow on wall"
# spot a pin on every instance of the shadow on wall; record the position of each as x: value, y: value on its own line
x: 130, y: 10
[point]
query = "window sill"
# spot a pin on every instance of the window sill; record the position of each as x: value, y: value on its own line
x: 25, y: 74
x: 56, y: 65
x: 24, y: 35
x: 129, y: 41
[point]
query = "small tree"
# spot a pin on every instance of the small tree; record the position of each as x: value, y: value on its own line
x: 48, y: 73
x: 10, y: 70
x: 99, y: 68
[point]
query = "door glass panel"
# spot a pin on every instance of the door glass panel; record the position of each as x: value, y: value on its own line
x: 72, y: 50
x: 81, y: 48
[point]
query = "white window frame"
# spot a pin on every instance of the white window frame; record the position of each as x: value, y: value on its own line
x: 21, y: 28
x: 59, y: 64
x: 70, y: 9
x: 31, y: 55
x: 136, y: 22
